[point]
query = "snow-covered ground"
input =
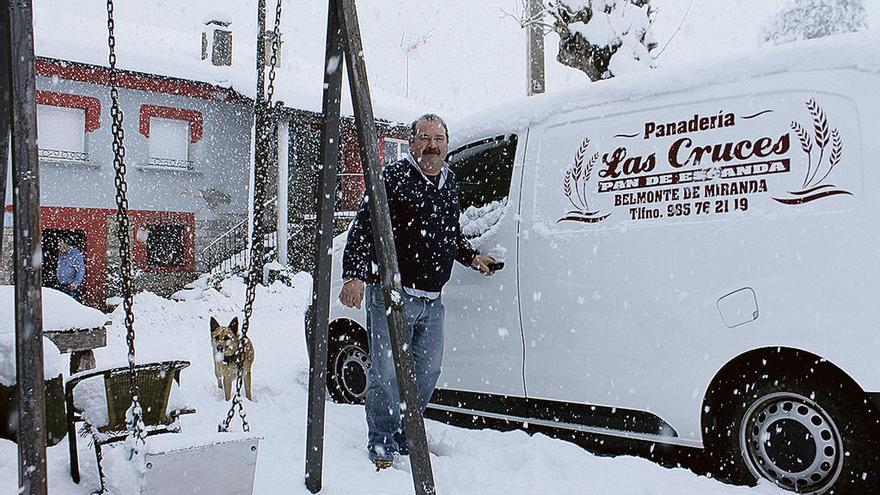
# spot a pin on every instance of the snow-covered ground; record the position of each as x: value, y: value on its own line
x: 465, y: 461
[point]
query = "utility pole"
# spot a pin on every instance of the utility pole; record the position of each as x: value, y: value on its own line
x: 18, y: 44
x: 535, y: 50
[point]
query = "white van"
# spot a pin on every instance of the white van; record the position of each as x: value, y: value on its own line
x: 692, y: 259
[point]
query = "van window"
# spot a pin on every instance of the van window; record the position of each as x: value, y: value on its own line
x: 483, y: 170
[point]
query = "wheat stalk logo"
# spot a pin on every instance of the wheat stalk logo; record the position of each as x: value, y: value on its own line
x: 824, y: 142
x: 577, y: 176
x: 575, y: 183
x: 823, y: 137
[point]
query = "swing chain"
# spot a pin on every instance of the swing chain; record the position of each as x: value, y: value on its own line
x: 257, y: 239
x: 273, y: 58
x: 136, y: 427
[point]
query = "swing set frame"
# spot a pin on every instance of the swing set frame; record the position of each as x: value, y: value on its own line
x: 18, y: 100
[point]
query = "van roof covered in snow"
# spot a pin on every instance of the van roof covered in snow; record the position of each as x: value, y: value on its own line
x: 858, y: 51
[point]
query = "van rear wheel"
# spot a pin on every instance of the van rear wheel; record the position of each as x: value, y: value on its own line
x: 808, y: 434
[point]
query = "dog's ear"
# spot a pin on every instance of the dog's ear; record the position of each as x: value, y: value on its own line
x: 233, y: 325
x: 214, y: 324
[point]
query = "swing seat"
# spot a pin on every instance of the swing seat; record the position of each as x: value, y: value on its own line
x: 225, y: 464
x: 105, y: 417
x: 201, y: 464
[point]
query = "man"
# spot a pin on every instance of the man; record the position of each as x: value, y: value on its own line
x: 423, y: 199
x: 71, y: 270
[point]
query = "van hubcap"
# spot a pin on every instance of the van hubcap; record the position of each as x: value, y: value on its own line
x: 351, y: 367
x: 790, y: 440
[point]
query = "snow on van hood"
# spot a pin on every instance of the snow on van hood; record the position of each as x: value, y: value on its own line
x: 857, y: 51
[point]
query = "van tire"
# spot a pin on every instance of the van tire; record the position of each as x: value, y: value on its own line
x: 348, y: 360
x: 824, y: 426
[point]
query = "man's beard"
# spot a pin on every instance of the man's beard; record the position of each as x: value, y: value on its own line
x: 431, y: 161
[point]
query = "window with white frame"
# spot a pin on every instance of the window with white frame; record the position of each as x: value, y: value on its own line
x: 169, y: 142
x: 395, y: 150
x: 61, y: 133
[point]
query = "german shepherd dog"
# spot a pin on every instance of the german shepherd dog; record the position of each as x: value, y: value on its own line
x: 224, y: 343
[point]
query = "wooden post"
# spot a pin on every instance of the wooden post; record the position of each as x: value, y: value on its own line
x: 343, y: 32
x: 5, y: 112
x: 319, y: 312
x: 28, y: 259
x: 535, y: 51
x: 386, y: 254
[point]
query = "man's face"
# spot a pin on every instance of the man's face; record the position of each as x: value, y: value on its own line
x: 63, y: 247
x: 429, y: 146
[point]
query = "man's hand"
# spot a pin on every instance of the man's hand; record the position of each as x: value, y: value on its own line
x: 481, y: 263
x: 72, y: 287
x: 352, y: 293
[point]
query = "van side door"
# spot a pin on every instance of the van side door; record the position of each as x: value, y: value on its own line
x: 484, y: 346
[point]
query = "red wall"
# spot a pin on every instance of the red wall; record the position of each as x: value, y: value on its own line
x: 93, y: 221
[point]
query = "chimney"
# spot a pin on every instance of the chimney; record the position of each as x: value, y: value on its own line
x: 217, y: 42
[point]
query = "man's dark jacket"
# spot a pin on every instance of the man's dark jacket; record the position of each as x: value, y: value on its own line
x: 427, y: 235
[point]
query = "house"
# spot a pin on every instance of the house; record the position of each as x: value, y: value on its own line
x: 187, y: 152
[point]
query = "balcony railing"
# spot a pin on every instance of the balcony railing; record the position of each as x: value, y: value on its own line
x: 170, y: 163
x: 73, y: 156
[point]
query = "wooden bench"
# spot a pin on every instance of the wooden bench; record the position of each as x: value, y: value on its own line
x: 79, y: 342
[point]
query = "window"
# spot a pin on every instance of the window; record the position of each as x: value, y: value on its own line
x: 394, y: 150
x: 170, y: 131
x: 64, y: 122
x: 61, y: 132
x: 222, y: 53
x: 483, y: 170
x: 169, y: 142
x: 217, y: 43
x: 165, y: 245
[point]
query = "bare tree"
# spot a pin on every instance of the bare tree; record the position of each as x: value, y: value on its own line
x: 601, y: 38
x: 808, y: 19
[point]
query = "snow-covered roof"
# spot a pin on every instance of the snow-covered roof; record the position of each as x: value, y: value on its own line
x: 164, y: 38
x: 473, y: 56
x: 851, y: 51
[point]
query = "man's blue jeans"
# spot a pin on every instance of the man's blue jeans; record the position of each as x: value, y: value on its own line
x: 425, y: 324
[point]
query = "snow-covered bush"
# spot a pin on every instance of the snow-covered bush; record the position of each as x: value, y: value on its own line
x: 602, y: 38
x: 808, y: 19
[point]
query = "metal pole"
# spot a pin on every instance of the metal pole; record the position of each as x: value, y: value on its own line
x: 261, y: 51
x: 5, y: 111
x: 383, y: 240
x: 283, y: 170
x: 28, y: 257
x: 535, y: 51
x: 259, y: 122
x: 319, y: 312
